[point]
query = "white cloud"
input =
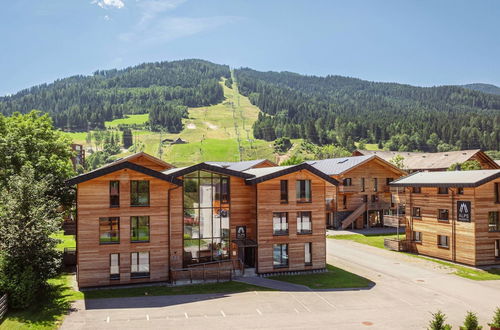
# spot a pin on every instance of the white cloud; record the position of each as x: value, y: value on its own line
x: 154, y: 26
x: 107, y: 18
x: 109, y: 3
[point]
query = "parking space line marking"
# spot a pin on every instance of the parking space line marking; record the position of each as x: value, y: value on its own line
x: 186, y: 315
x: 296, y: 311
x: 258, y: 311
x: 147, y: 317
x: 107, y: 319
x: 222, y: 312
x: 325, y: 300
x: 300, y: 302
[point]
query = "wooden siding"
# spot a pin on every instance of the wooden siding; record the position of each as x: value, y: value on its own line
x: 268, y: 201
x: 93, y: 203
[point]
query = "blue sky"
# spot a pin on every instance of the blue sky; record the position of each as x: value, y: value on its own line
x: 421, y: 42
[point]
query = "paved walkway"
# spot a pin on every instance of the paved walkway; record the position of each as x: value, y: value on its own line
x: 273, y: 284
x: 407, y: 290
x: 368, y: 231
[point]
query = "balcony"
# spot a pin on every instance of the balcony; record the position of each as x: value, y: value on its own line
x: 348, y: 189
x: 380, y: 205
x: 394, y: 220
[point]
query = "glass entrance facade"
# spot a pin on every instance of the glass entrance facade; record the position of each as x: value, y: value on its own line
x: 206, y: 217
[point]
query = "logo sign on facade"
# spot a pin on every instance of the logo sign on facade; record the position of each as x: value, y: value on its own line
x: 464, y: 211
x: 241, y: 232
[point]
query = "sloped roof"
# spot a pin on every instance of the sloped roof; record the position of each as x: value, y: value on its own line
x: 447, y: 179
x: 335, y: 166
x: 240, y: 166
x: 140, y: 154
x: 427, y: 161
x: 268, y: 173
x: 176, y: 172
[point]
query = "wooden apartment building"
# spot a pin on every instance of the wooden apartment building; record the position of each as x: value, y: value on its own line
x: 362, y: 199
x: 453, y: 215
x: 139, y: 218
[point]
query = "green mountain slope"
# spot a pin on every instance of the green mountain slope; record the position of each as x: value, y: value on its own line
x: 484, y: 88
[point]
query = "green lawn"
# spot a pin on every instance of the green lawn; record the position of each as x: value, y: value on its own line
x: 373, y: 240
x: 67, y: 241
x: 334, y: 278
x: 463, y: 271
x: 128, y: 120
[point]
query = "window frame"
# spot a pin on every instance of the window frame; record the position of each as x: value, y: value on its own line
x: 347, y: 182
x: 375, y: 184
x: 497, y: 225
x: 363, y: 185
x: 443, y: 191
x: 497, y: 248
x: 281, y: 232
x: 416, y: 190
x: 298, y: 193
x: 109, y: 220
x: 111, y: 205
x: 413, y: 213
x: 132, y: 192
x: 447, y: 219
x: 136, y: 218
x: 300, y: 214
x: 282, y: 258
x: 460, y: 190
x: 284, y: 191
x: 447, y: 246
x: 309, y: 245
x: 138, y: 274
x: 496, y: 188
x: 114, y: 276
x: 414, y: 238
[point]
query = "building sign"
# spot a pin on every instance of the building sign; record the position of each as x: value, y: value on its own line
x: 241, y: 232
x: 464, y: 211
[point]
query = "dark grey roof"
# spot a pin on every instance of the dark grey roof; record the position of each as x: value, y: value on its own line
x: 268, y: 173
x: 447, y: 179
x: 239, y: 166
x: 335, y: 166
x: 176, y: 172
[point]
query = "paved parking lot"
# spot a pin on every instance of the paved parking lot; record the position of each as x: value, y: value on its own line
x: 407, y: 290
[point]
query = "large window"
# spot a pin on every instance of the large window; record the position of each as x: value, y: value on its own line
x: 304, y: 223
x: 417, y: 236
x: 347, y: 182
x: 416, y: 212
x: 280, y: 255
x: 493, y: 221
x: 416, y: 190
x: 206, y: 217
x: 139, y: 264
x: 308, y: 253
x: 443, y: 241
x: 139, y: 193
x: 375, y: 184
x: 114, y: 266
x: 114, y: 193
x: 280, y: 223
x: 284, y: 191
x: 443, y: 215
x: 443, y: 190
x: 139, y: 229
x: 497, y: 192
x: 303, y: 191
x: 109, y: 230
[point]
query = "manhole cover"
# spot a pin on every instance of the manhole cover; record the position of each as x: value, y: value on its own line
x: 367, y: 323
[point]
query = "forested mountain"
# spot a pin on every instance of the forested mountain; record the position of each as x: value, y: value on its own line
x: 164, y: 89
x: 485, y: 88
x: 335, y: 109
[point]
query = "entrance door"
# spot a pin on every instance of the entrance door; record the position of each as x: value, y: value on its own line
x: 247, y: 256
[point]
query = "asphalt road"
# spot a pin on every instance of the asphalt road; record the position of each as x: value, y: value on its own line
x: 407, y: 290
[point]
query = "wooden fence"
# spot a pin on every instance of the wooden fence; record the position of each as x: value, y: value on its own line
x: 3, y: 305
x: 69, y: 257
x: 397, y: 245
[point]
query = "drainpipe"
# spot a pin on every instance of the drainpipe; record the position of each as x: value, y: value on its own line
x: 453, y: 227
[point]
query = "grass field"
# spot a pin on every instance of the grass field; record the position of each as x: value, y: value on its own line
x: 67, y: 241
x: 463, y: 271
x: 334, y: 278
x: 128, y: 120
x: 369, y: 146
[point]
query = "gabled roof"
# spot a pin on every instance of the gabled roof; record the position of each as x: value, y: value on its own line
x: 243, y: 165
x: 177, y: 172
x: 447, y: 179
x: 141, y: 154
x: 337, y: 166
x: 268, y: 173
x: 429, y: 160
x: 116, y: 166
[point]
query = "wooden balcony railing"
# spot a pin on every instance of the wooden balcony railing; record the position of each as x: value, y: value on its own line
x: 348, y: 189
x: 380, y: 205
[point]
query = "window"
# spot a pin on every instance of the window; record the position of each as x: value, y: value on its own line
x: 493, y: 221
x: 114, y: 266
x: 443, y: 215
x: 224, y: 184
x: 114, y: 193
x: 497, y: 192
x: 365, y: 198
x: 347, y: 182
x: 362, y: 184
x: 139, y: 229
x: 308, y: 254
x: 442, y: 241
x: 374, y: 198
x: 416, y: 212
x: 303, y: 191
x: 417, y: 236
x: 139, y: 264
x: 497, y: 248
x: 139, y: 193
x: 375, y: 184
x: 284, y: 191
x: 344, y: 201
x: 280, y: 223
x: 388, y: 181
x: 416, y: 190
x: 443, y: 190
x: 460, y: 191
x: 280, y: 255
x: 304, y: 223
x: 109, y: 230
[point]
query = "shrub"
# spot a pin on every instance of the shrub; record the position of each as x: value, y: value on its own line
x: 471, y: 322
x: 496, y: 319
x: 437, y: 322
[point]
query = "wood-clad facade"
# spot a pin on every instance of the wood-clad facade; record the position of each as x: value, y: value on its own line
x: 436, y: 225
x: 138, y: 220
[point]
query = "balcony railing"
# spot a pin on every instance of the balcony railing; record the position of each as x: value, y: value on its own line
x: 380, y: 205
x: 348, y: 189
